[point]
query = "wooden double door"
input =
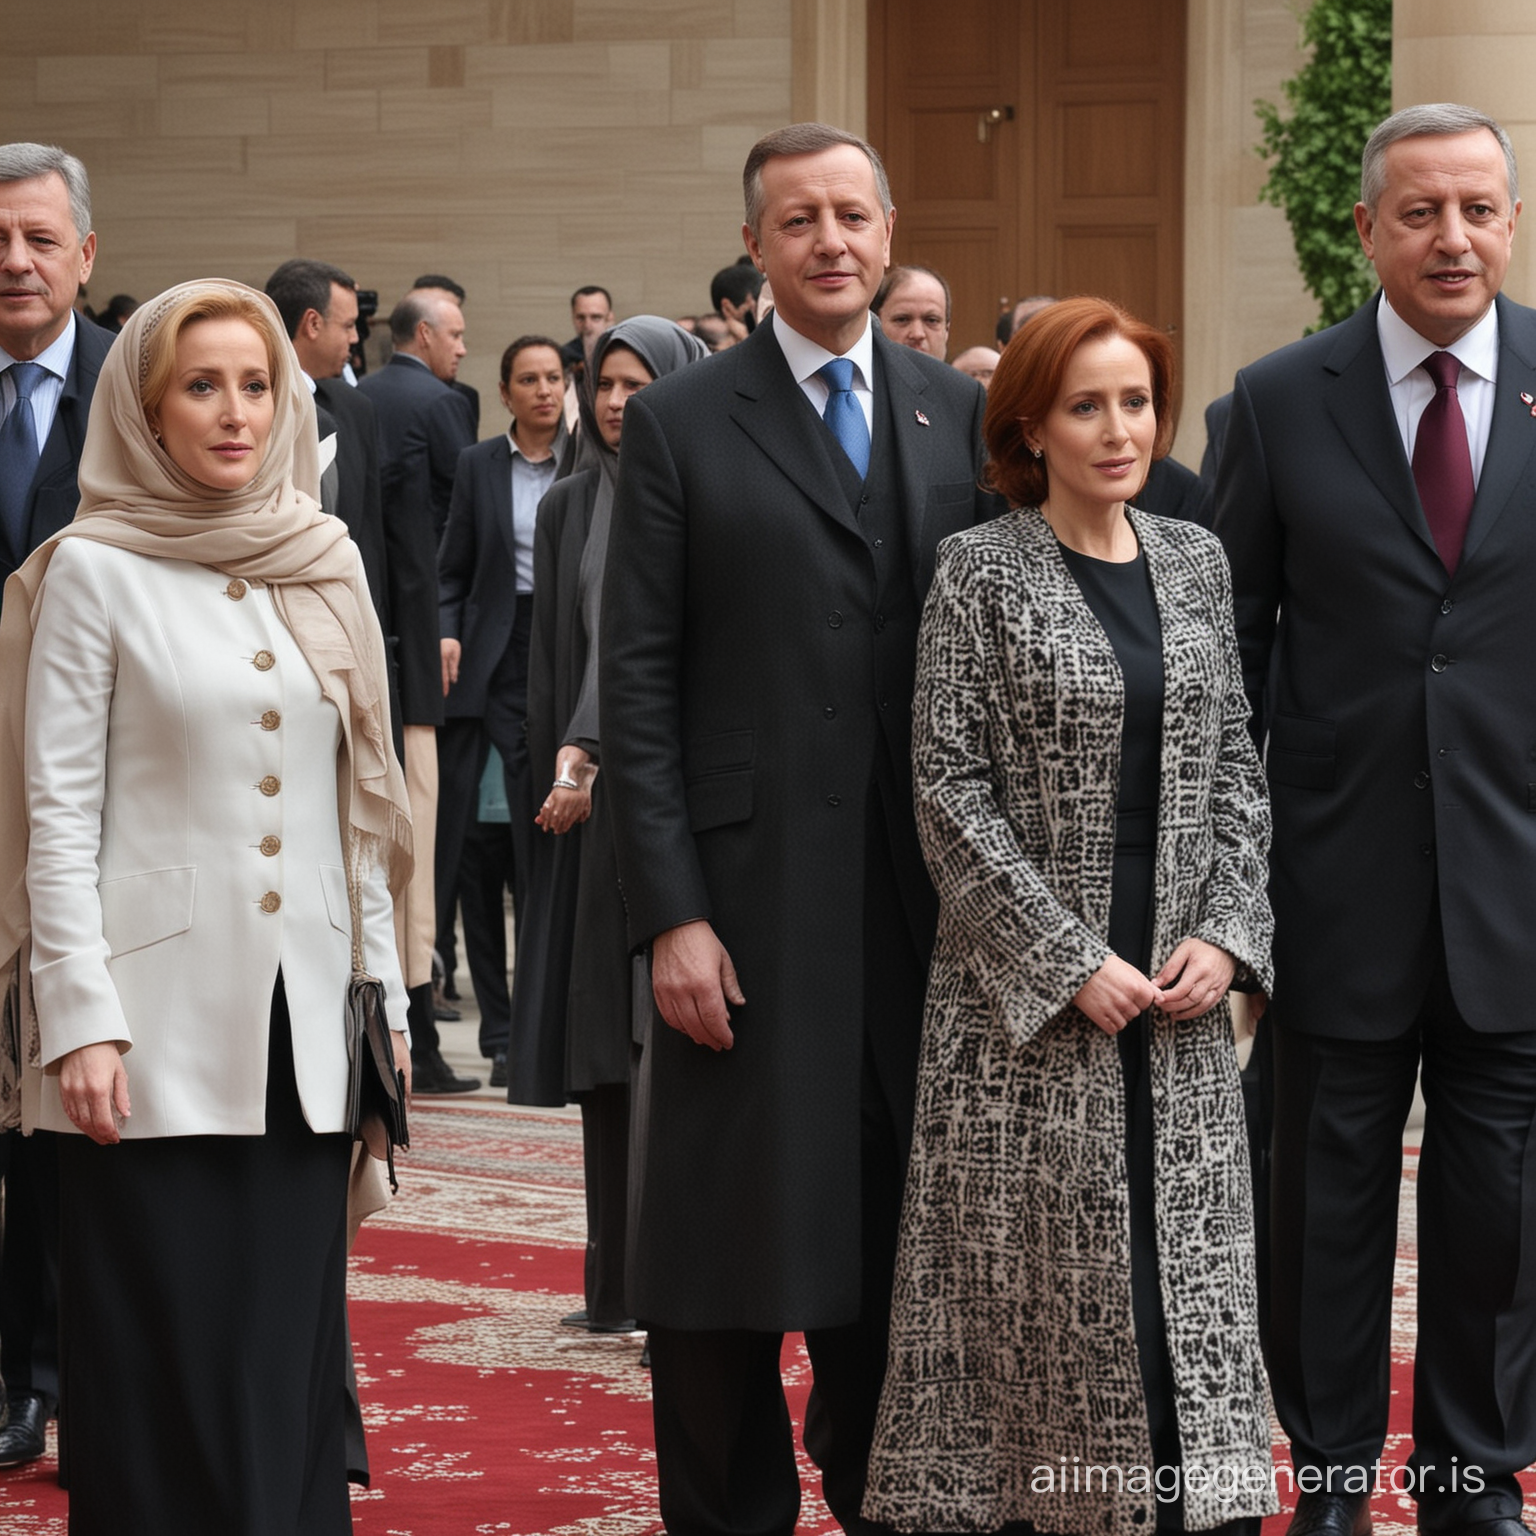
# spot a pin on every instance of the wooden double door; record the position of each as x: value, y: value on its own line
x: 1034, y: 147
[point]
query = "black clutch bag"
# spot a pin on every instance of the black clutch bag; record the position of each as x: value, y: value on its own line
x: 375, y: 1088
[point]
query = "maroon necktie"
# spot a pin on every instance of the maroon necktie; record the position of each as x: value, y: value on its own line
x: 1442, y: 462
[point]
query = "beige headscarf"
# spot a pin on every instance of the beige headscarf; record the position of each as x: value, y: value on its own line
x: 272, y: 530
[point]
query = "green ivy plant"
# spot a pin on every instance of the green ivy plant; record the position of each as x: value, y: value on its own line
x: 1341, y: 93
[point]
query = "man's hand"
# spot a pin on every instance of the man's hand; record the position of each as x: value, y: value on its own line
x: 93, y: 1085
x: 693, y: 979
x: 451, y: 652
x: 1194, y: 980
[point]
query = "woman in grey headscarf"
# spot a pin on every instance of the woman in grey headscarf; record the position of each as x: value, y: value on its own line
x: 587, y: 996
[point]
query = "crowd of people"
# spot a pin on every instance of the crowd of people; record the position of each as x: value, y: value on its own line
x: 878, y: 741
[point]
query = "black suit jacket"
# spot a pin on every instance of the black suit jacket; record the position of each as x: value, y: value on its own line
x: 55, y: 493
x: 477, y: 571
x: 423, y: 428
x: 750, y: 683
x: 359, y: 501
x: 1397, y: 700
x: 1174, y: 490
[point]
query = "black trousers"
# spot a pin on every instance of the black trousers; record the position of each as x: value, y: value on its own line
x: 485, y: 876
x: 29, y: 1263
x: 1340, y: 1109
x: 462, y: 745
x: 605, y: 1166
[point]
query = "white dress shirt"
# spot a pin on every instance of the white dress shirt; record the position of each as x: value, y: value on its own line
x: 1404, y: 350
x: 805, y: 356
x: 55, y: 358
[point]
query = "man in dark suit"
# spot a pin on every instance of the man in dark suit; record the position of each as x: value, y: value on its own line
x: 50, y: 358
x: 591, y: 314
x: 318, y: 303
x: 456, y: 290
x: 423, y: 427
x: 1377, y: 497
x: 774, y: 532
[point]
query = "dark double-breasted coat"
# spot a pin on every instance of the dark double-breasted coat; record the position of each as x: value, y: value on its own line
x: 1013, y: 1346
x: 749, y: 676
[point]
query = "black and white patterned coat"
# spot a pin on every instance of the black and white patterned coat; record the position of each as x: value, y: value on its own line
x: 1013, y: 1360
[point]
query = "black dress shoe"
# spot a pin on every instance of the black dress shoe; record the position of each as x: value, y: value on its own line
x: 25, y: 1435
x: 499, y: 1070
x: 574, y: 1319
x: 1331, y: 1514
x: 1506, y: 1526
x: 430, y: 1074
x: 446, y: 1015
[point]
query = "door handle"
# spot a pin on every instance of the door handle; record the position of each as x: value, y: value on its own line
x: 988, y: 118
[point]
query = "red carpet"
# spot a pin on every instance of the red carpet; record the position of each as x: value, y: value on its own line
x: 484, y: 1415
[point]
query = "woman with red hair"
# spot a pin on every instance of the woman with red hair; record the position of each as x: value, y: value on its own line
x: 1074, y: 1339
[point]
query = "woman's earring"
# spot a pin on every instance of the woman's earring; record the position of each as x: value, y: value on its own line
x: 1035, y: 451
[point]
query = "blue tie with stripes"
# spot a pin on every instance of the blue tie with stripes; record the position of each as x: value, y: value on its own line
x: 18, y: 455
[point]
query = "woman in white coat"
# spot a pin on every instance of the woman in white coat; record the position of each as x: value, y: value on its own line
x: 196, y: 781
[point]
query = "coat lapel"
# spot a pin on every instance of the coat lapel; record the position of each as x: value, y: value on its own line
x: 1512, y: 432
x: 1356, y: 395
x: 771, y: 409
x: 500, y: 470
x: 911, y: 422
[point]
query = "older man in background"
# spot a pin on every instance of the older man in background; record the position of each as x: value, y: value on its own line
x: 50, y: 357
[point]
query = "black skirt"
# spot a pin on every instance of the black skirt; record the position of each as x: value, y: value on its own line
x: 203, y: 1323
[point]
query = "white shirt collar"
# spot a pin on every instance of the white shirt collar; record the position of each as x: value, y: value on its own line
x: 1403, y: 349
x: 555, y: 449
x: 56, y: 356
x: 805, y: 356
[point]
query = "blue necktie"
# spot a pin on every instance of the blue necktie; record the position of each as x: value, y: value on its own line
x: 18, y: 456
x: 844, y: 414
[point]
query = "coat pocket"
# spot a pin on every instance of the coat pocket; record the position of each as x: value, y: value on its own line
x: 1302, y: 752
x: 718, y: 783
x: 139, y: 910
x: 333, y: 882
x: 950, y: 508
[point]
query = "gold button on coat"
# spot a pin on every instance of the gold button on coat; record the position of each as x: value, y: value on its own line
x: 270, y: 902
x: 270, y: 720
x: 264, y: 661
x: 235, y: 590
x: 271, y: 845
x: 270, y: 785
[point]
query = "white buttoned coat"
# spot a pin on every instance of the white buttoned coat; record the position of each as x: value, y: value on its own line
x: 185, y: 845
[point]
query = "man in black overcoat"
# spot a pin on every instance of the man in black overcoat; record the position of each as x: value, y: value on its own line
x: 765, y: 576
x: 1377, y: 497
